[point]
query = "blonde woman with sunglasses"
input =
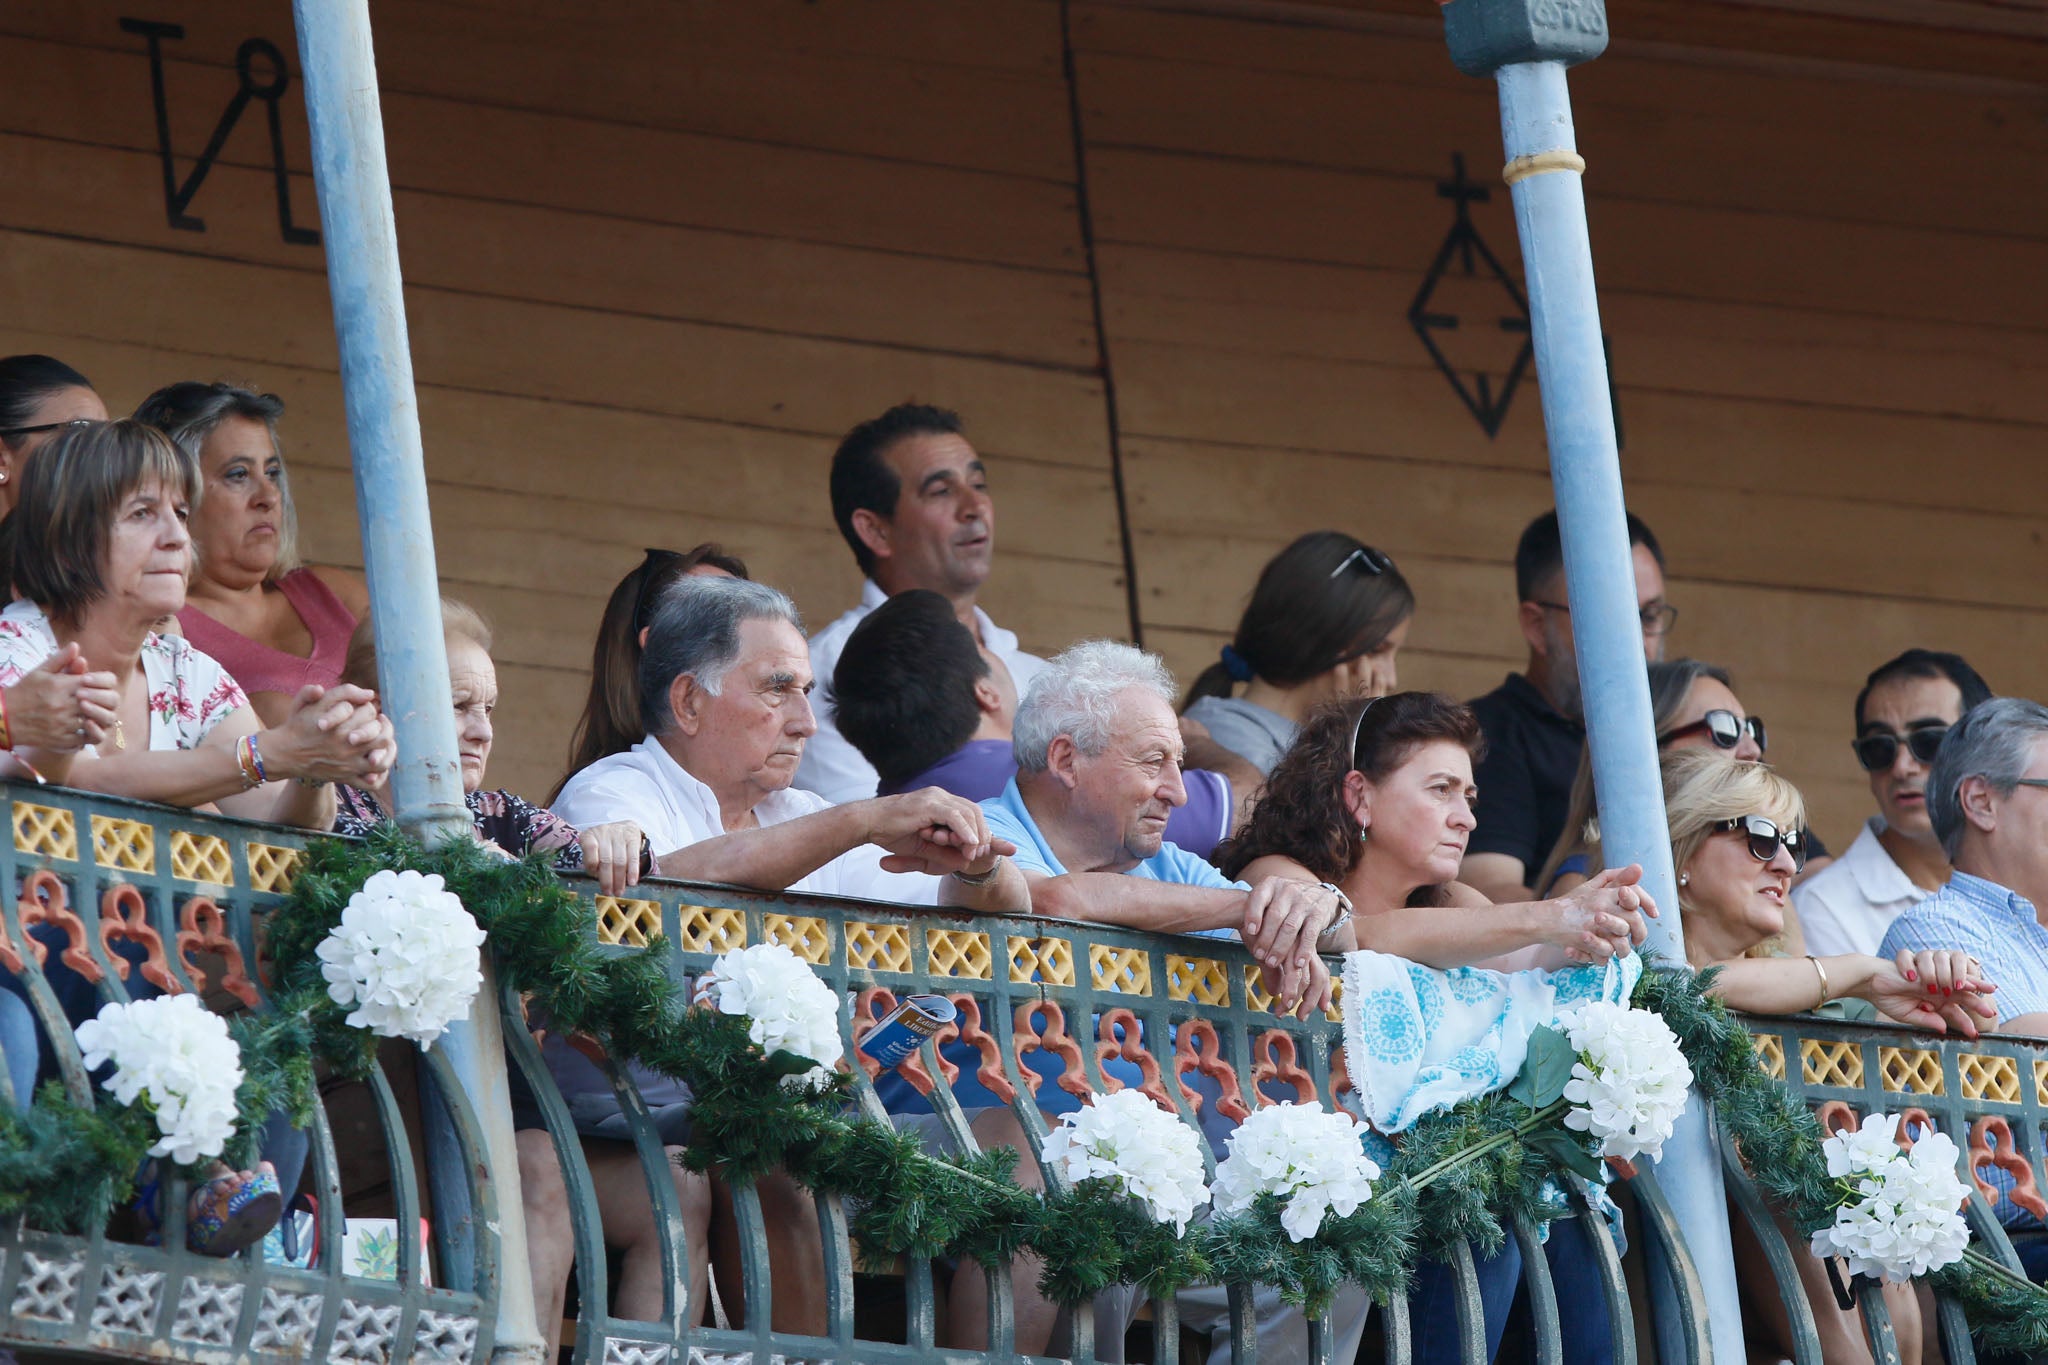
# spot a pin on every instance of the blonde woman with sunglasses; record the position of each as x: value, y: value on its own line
x: 1737, y: 842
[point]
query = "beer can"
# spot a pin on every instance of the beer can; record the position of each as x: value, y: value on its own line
x: 906, y: 1027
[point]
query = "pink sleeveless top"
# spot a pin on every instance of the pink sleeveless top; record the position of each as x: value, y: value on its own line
x: 258, y: 667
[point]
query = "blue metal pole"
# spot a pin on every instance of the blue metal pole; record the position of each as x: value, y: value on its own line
x: 1543, y: 171
x: 361, y: 236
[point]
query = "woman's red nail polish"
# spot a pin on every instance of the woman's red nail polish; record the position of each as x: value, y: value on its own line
x: 1912, y: 976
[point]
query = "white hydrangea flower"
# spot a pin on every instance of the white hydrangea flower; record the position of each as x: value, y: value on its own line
x: 175, y: 1056
x: 1307, y: 1156
x: 1126, y: 1138
x: 1905, y: 1219
x: 787, y: 1007
x: 405, y: 956
x: 1629, y: 1084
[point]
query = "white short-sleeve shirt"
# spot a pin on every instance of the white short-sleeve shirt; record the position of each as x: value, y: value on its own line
x: 189, y: 692
x: 1847, y: 906
x: 831, y: 766
x: 646, y: 785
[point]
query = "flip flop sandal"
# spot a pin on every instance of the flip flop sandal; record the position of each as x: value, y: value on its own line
x: 225, y: 1221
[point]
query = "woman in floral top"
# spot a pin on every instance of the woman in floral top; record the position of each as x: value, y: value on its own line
x: 101, y: 558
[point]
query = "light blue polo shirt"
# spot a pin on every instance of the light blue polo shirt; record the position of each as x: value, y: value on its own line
x: 1008, y: 819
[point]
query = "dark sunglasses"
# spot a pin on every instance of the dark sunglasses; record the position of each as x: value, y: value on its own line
x: 1725, y: 728
x: 1765, y: 839
x: 644, y: 601
x: 1366, y: 558
x: 1877, y: 752
x: 11, y: 432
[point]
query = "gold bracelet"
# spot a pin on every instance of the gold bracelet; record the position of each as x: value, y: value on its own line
x: 1821, y: 971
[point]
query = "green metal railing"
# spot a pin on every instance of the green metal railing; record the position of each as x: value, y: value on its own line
x: 1183, y: 1018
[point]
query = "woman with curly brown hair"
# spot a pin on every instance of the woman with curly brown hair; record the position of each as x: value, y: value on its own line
x: 1375, y: 798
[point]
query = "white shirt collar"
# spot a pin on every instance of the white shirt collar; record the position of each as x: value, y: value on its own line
x: 1002, y: 641
x: 1881, y: 880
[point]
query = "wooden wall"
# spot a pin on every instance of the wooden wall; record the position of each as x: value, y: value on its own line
x: 660, y: 255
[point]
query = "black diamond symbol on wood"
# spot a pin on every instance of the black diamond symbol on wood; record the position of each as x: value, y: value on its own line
x: 1464, y: 256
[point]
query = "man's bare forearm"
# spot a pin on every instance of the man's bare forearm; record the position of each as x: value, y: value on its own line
x: 772, y: 856
x: 1137, y: 903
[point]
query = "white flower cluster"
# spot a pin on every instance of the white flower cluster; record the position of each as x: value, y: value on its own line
x: 1905, y: 1219
x: 1304, y: 1154
x: 787, y: 1007
x: 176, y: 1056
x: 1126, y: 1138
x: 405, y: 956
x: 1629, y: 1084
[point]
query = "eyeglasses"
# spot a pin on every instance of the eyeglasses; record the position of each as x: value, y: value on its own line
x: 11, y: 432
x: 1366, y: 558
x: 1877, y: 752
x: 1725, y: 728
x: 1765, y: 838
x: 1657, y: 618
x: 644, y: 601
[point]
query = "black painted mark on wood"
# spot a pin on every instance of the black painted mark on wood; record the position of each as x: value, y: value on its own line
x: 1474, y: 260
x: 263, y: 76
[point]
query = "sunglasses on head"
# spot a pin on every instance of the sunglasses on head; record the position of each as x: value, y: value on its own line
x: 644, y: 601
x: 1725, y: 728
x: 1765, y: 838
x: 1877, y: 752
x: 1367, y: 559
x: 11, y: 432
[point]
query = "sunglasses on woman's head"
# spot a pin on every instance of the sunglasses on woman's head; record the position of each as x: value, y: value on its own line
x: 11, y: 432
x: 1366, y: 558
x: 1765, y: 838
x: 1877, y: 752
x: 643, y: 602
x: 1725, y: 728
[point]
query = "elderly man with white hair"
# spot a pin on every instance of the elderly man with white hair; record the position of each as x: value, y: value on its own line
x: 1099, y: 754
x: 1098, y: 768
x: 725, y: 683
x: 1987, y: 803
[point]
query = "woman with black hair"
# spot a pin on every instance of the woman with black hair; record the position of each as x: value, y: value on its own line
x: 1324, y: 624
x: 40, y: 396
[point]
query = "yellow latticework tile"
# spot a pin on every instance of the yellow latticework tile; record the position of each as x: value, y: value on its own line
x: 1125, y: 970
x: 1988, y: 1078
x: 1770, y: 1054
x: 710, y: 929
x: 126, y: 844
x: 1912, y: 1071
x: 1256, y: 996
x: 1200, y: 979
x: 958, y: 952
x: 877, y: 947
x: 804, y: 935
x: 631, y: 923
x: 1831, y: 1063
x: 201, y: 858
x: 2041, y: 1083
x: 1050, y: 960
x: 44, y: 829
x: 272, y: 868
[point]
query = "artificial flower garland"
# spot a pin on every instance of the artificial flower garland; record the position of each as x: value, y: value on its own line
x: 1604, y: 1085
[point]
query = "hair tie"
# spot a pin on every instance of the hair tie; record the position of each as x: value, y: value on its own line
x: 1235, y: 664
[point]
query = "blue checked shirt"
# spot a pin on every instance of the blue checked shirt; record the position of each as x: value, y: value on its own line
x: 2000, y: 929
x: 1996, y: 926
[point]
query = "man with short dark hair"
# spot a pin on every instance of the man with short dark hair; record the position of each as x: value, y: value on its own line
x: 922, y: 704
x: 1533, y: 724
x: 1905, y: 710
x: 911, y: 497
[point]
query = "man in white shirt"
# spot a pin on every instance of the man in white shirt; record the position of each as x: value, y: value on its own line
x: 724, y: 689
x: 1903, y: 713
x: 911, y: 497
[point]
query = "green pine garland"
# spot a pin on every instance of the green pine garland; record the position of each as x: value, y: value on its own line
x: 1466, y: 1173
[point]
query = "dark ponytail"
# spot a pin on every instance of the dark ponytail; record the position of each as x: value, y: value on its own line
x: 1324, y: 599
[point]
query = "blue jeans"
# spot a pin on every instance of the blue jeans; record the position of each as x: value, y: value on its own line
x: 1575, y: 1279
